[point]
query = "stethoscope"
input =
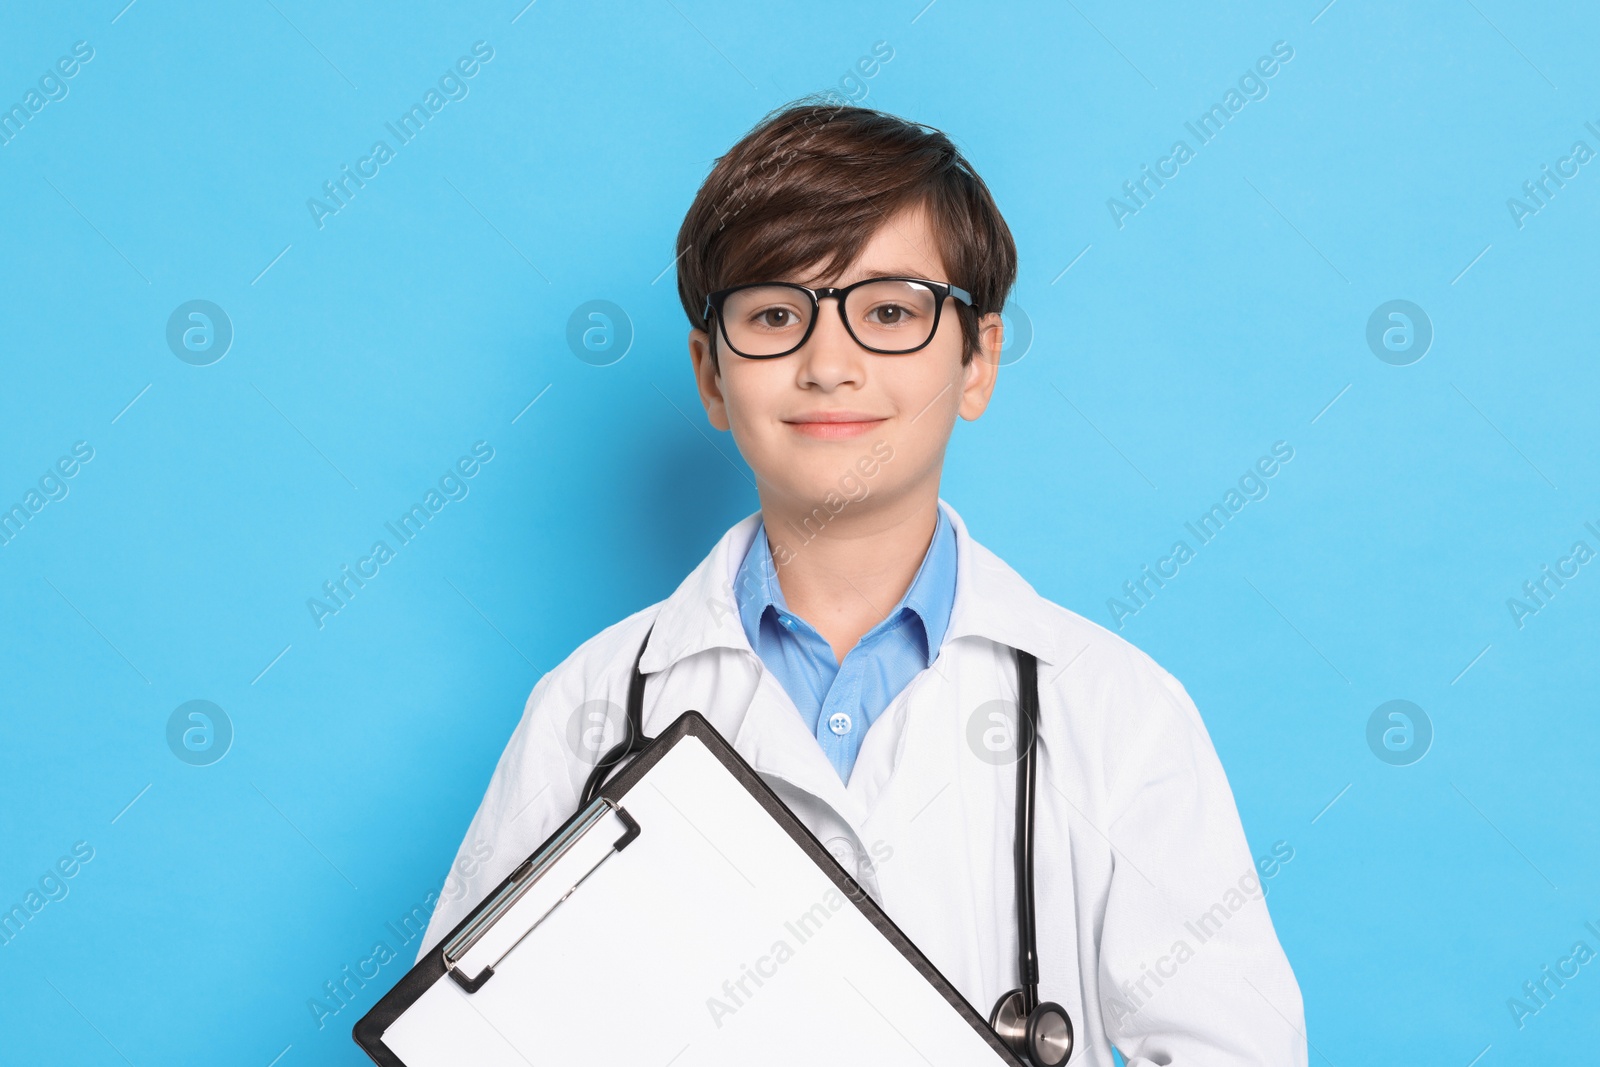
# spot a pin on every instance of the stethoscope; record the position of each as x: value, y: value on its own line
x: 1039, y: 1032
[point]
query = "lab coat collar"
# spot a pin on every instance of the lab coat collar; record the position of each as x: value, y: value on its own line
x: 995, y: 602
x: 992, y: 601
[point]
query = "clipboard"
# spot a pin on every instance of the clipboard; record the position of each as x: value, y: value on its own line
x: 685, y: 917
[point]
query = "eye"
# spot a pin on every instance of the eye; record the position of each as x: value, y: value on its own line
x: 775, y: 318
x: 889, y: 314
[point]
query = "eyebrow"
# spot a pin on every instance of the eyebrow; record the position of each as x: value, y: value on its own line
x: 890, y: 273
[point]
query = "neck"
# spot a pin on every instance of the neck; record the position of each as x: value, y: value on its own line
x: 842, y: 572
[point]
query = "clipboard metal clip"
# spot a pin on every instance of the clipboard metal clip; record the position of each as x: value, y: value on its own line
x: 535, y: 890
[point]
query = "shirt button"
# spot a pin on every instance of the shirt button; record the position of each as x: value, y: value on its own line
x: 839, y: 723
x: 788, y: 622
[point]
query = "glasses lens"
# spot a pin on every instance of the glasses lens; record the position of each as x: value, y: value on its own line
x: 891, y: 316
x: 766, y: 320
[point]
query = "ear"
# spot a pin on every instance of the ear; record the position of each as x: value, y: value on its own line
x: 978, y: 377
x: 707, y: 378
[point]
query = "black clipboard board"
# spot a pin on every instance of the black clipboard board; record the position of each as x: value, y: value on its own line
x: 616, y: 834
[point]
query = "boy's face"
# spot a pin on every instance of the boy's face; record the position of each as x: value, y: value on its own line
x: 907, y: 402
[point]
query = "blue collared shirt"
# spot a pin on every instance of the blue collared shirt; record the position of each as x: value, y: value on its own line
x: 839, y: 702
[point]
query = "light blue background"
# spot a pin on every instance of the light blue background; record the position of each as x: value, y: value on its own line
x: 427, y: 315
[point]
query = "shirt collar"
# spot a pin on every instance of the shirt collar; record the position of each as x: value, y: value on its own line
x: 930, y: 594
x: 755, y: 586
x: 991, y: 601
x: 933, y: 591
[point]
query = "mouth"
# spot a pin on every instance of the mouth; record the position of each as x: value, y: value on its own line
x: 832, y: 425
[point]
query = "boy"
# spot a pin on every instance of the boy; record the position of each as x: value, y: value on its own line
x: 844, y: 271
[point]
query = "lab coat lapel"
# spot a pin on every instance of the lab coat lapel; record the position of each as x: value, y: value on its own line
x: 915, y: 711
x: 775, y: 742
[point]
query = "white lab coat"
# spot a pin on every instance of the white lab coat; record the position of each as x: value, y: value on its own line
x: 1153, y: 932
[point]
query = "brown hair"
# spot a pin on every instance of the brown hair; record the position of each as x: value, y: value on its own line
x: 811, y: 184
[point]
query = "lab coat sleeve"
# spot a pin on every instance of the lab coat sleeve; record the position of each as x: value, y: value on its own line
x: 1191, y: 971
x: 529, y: 795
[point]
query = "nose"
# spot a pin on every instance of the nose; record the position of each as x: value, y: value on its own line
x: 831, y: 357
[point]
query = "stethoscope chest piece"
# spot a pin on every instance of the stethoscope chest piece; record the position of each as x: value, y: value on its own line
x: 1041, y: 1037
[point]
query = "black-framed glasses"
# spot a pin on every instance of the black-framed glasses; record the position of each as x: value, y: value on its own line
x: 889, y: 316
